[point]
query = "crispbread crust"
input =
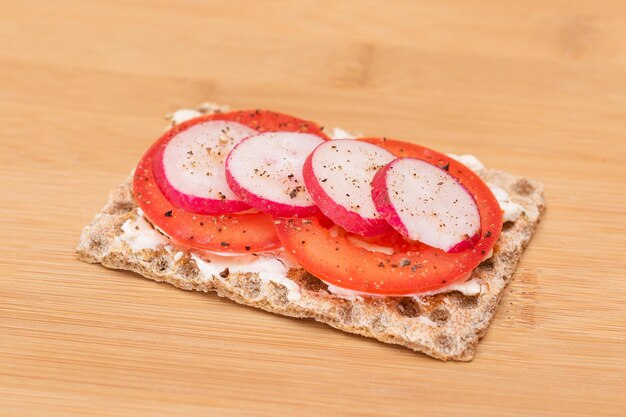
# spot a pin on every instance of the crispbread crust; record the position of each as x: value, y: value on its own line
x: 444, y: 326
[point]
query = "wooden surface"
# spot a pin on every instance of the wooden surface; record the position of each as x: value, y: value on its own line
x: 534, y: 87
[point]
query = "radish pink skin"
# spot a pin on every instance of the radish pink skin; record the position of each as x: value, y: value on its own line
x: 382, y: 203
x: 266, y: 205
x: 466, y: 244
x: 341, y: 216
x: 380, y: 195
x: 189, y: 202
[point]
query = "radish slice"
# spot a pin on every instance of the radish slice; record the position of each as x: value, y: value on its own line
x: 265, y: 171
x: 424, y: 202
x: 338, y: 175
x: 189, y: 169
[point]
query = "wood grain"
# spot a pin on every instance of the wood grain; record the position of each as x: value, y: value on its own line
x: 537, y: 88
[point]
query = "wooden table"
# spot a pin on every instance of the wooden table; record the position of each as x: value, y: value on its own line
x: 534, y: 87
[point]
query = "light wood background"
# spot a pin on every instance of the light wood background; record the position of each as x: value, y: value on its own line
x: 535, y: 87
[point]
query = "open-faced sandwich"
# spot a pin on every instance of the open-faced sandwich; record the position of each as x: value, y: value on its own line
x: 374, y: 236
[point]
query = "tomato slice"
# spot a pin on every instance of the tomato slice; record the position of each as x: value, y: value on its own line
x: 249, y: 232
x: 334, y: 258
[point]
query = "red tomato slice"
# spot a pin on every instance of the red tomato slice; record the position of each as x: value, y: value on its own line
x: 253, y: 232
x: 419, y: 268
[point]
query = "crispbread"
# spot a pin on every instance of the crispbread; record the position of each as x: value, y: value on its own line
x: 445, y: 326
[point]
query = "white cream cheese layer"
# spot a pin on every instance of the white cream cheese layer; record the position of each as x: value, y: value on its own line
x: 273, y: 266
x: 270, y: 267
x: 466, y: 287
x: 510, y: 210
x: 469, y: 161
x: 339, y: 133
x: 139, y: 234
x: 182, y: 115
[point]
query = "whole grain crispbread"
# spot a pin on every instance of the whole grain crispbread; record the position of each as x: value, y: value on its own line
x: 444, y: 326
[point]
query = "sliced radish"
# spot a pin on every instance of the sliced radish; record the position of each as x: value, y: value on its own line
x: 424, y: 202
x: 265, y: 171
x: 189, y: 168
x: 338, y: 175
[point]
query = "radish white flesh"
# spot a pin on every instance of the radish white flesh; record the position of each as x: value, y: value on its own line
x: 338, y: 175
x: 424, y: 202
x: 190, y: 168
x: 265, y: 171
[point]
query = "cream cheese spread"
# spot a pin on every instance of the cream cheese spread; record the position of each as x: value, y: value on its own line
x: 510, y: 209
x: 270, y: 267
x: 469, y: 161
x: 339, y: 133
x: 183, y: 115
x: 139, y: 234
x: 466, y: 287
